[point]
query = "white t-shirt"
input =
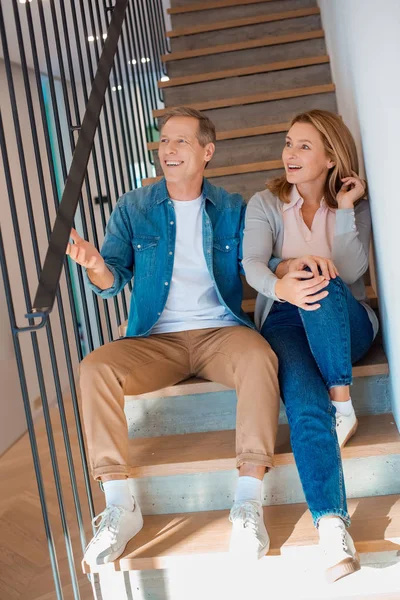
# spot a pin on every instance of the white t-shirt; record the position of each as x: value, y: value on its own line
x: 192, y: 301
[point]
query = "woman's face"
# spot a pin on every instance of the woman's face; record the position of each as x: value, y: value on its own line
x: 304, y: 156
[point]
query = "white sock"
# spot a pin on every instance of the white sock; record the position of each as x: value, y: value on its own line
x: 344, y: 408
x: 118, y: 493
x: 248, y: 488
x: 326, y: 524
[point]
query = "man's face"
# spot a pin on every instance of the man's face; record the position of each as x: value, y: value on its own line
x: 181, y: 156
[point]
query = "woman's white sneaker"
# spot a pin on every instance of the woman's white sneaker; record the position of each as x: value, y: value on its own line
x: 115, y: 527
x: 249, y: 538
x: 339, y: 553
x: 346, y: 426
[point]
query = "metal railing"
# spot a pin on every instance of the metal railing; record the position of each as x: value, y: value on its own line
x: 80, y: 84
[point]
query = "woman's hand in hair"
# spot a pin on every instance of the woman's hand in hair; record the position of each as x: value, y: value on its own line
x: 302, y: 289
x: 353, y: 189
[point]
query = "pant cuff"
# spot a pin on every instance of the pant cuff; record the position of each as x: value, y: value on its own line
x: 261, y: 460
x: 339, y: 382
x: 98, y: 472
x: 335, y: 512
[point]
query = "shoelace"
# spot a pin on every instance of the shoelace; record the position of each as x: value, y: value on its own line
x: 109, y: 520
x: 247, y: 513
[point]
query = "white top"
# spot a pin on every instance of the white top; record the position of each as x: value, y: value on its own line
x: 192, y: 301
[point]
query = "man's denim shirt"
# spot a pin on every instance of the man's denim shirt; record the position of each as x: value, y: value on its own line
x: 140, y: 244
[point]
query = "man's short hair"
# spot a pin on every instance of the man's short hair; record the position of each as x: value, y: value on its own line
x: 206, y: 131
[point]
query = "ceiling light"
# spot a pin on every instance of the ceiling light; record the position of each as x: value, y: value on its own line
x: 24, y: 1
x: 165, y: 78
x: 132, y: 62
x: 104, y: 36
x: 91, y: 38
x: 145, y: 60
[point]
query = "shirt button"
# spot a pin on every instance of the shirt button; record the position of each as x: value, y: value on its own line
x: 169, y: 202
x: 227, y: 247
x: 159, y: 314
x: 170, y: 253
x: 166, y: 283
x: 171, y: 222
x: 139, y: 246
x: 208, y: 251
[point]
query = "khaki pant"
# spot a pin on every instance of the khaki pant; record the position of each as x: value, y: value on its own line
x: 234, y: 356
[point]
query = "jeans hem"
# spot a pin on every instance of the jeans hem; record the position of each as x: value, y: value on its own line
x: 339, y: 382
x: 336, y: 512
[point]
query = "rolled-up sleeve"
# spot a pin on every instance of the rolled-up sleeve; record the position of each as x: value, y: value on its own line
x: 117, y: 251
x: 257, y: 249
x: 351, y: 242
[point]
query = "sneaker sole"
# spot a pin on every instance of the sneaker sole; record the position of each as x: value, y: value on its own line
x: 264, y: 550
x: 342, y: 569
x: 350, y: 434
x: 111, y: 557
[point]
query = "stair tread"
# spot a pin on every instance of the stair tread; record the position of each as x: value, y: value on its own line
x: 168, y: 540
x: 255, y: 98
x: 267, y: 165
x: 209, y: 451
x: 240, y: 133
x: 197, y: 6
x: 233, y: 23
x: 271, y: 40
x: 242, y: 71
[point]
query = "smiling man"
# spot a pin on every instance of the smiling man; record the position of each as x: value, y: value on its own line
x: 180, y: 241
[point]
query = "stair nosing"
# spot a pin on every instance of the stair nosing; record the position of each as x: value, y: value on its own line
x: 288, y: 38
x: 244, y: 22
x: 178, y: 10
x: 255, y: 98
x: 282, y: 65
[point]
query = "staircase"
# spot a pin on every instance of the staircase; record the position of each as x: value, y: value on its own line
x: 250, y: 65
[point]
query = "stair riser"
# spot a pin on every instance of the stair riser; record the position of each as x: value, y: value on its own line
x: 364, y: 477
x: 243, y: 150
x: 215, y: 411
x: 255, y: 84
x: 237, y: 12
x: 248, y: 32
x: 246, y: 58
x: 248, y: 184
x: 264, y: 113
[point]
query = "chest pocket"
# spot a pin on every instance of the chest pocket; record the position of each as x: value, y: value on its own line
x: 145, y: 248
x: 225, y: 260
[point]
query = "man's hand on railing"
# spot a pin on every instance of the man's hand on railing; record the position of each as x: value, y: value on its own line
x: 86, y: 255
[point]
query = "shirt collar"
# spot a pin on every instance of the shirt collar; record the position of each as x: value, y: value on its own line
x: 296, y: 198
x: 208, y: 191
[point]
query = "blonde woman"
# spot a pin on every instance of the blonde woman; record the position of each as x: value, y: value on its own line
x: 305, y: 251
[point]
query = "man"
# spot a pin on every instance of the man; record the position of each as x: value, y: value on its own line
x: 180, y: 241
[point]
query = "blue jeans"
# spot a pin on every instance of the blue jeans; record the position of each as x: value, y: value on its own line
x: 316, y: 350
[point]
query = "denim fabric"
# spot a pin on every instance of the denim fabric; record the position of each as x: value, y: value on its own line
x: 140, y: 244
x: 315, y: 351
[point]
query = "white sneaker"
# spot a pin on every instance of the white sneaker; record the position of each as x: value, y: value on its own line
x: 116, y: 527
x: 346, y: 426
x: 340, y: 555
x: 249, y: 538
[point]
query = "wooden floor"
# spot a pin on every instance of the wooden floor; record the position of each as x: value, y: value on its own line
x: 25, y: 572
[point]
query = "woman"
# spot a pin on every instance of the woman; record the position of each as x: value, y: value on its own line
x: 312, y: 226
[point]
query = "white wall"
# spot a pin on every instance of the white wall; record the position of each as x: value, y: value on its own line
x: 363, y: 39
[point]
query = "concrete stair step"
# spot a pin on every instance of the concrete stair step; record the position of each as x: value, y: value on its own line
x: 255, y: 99
x: 206, y: 12
x: 192, y: 453
x: 237, y: 31
x: 168, y: 541
x: 306, y: 45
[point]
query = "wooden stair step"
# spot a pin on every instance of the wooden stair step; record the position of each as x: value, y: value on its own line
x: 256, y: 98
x: 170, y: 540
x: 210, y: 451
x: 267, y: 165
x: 242, y: 71
x: 245, y: 45
x: 198, y: 6
x: 240, y: 133
x: 220, y: 25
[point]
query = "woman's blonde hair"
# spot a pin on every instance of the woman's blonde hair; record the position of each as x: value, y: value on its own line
x: 340, y: 148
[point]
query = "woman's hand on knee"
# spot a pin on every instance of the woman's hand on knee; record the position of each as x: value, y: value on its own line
x: 317, y: 265
x: 302, y: 289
